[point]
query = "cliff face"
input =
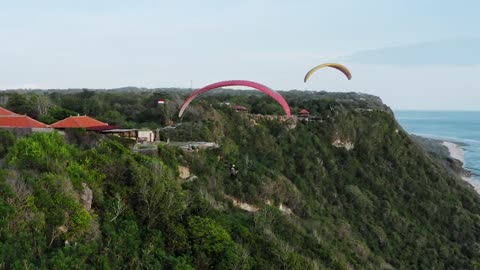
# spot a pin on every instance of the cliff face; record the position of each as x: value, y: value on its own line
x: 347, y: 190
x: 354, y: 180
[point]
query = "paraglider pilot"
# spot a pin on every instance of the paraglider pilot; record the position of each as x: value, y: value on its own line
x: 233, y: 171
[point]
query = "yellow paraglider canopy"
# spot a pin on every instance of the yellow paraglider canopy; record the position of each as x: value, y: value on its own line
x: 340, y: 67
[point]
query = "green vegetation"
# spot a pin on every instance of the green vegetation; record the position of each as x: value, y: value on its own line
x: 383, y: 204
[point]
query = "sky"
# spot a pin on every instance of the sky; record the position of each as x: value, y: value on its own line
x: 414, y: 54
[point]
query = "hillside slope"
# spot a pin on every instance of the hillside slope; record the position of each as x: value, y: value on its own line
x: 350, y: 190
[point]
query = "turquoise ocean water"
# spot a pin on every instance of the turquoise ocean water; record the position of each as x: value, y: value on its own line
x: 454, y: 126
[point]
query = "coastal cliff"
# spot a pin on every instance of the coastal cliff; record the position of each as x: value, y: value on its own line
x: 347, y: 190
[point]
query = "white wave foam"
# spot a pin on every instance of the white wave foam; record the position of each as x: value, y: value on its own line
x: 455, y: 151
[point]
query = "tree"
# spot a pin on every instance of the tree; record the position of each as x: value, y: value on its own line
x: 21, y: 104
x: 7, y: 139
x: 210, y: 242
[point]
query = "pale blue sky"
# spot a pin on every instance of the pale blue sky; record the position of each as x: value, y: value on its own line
x: 413, y: 54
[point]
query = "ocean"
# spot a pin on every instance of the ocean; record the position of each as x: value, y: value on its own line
x: 455, y: 126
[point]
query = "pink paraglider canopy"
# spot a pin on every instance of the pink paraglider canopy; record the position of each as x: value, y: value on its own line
x: 251, y: 84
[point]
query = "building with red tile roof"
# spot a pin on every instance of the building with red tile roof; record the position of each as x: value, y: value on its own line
x: 239, y: 108
x: 4, y: 111
x: 303, y: 112
x: 78, y: 122
x: 20, y: 121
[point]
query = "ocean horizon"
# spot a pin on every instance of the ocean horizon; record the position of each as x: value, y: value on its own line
x: 460, y: 127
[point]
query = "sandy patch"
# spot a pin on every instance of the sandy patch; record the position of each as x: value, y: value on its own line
x: 455, y: 150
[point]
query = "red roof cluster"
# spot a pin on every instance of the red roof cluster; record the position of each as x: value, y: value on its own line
x: 11, y: 119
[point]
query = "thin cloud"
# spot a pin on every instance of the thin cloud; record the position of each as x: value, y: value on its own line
x: 458, y: 52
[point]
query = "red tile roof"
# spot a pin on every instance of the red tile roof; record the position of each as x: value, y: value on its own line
x: 78, y: 122
x: 103, y: 128
x: 20, y: 121
x: 4, y: 111
x: 239, y: 108
x: 303, y: 111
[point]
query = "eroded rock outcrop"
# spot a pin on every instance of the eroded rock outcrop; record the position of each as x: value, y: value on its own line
x: 343, y: 144
x: 184, y: 172
x: 86, y: 196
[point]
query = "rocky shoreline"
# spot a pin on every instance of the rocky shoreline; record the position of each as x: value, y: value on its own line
x: 451, y: 153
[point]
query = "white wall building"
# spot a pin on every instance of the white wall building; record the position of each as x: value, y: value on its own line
x: 145, y: 136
